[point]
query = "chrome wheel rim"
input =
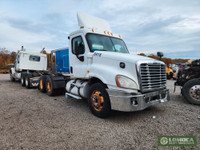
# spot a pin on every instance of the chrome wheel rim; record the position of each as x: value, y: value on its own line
x: 26, y: 82
x: 194, y: 92
x: 22, y: 81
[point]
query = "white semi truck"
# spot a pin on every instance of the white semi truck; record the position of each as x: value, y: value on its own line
x: 29, y: 67
x: 101, y: 69
x: 28, y: 63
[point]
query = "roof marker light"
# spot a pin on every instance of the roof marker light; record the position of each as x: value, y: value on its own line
x: 119, y: 36
x: 111, y: 33
x: 104, y: 32
x: 108, y: 33
x: 92, y: 30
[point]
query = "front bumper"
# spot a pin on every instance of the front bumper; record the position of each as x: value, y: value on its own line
x: 122, y: 101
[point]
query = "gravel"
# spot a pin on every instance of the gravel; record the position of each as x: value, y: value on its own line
x: 32, y: 120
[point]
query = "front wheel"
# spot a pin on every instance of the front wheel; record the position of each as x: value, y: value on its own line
x: 99, y: 101
x: 191, y: 91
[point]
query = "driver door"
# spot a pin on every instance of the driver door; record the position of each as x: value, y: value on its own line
x: 78, y: 58
x: 17, y: 62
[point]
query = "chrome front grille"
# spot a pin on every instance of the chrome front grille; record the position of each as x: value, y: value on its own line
x: 153, y: 76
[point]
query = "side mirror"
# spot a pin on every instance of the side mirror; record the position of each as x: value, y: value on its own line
x: 81, y: 58
x: 160, y: 54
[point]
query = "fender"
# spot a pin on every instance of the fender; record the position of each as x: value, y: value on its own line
x: 15, y: 74
x: 102, y: 79
x: 12, y: 70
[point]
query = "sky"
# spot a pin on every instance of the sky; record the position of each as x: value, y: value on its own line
x: 146, y: 26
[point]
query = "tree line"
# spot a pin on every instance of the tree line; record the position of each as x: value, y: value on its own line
x: 165, y: 59
x: 6, y: 57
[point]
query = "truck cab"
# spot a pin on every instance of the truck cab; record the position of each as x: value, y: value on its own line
x: 103, y: 71
x: 28, y: 62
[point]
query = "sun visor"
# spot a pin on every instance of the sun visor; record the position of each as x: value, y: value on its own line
x: 85, y: 20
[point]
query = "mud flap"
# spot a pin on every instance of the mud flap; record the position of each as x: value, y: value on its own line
x: 34, y: 82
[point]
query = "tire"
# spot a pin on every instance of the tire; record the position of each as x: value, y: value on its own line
x: 27, y: 81
x: 191, y: 91
x: 168, y: 76
x: 171, y: 75
x: 99, y: 101
x: 50, y: 86
x: 11, y: 77
x: 42, y: 84
x: 23, y: 79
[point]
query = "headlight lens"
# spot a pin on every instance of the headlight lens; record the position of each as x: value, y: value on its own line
x: 125, y: 82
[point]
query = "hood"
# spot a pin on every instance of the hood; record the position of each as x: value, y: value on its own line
x: 126, y: 57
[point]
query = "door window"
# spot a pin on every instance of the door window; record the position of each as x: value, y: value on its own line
x: 78, y: 46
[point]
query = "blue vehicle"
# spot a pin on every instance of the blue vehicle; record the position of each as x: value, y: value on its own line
x: 61, y: 60
x: 53, y: 82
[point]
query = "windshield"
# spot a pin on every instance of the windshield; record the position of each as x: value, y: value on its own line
x: 105, y: 43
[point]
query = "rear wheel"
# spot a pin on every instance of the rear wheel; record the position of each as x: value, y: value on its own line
x: 99, y: 101
x: 50, y: 86
x: 191, y: 91
x: 42, y: 84
x: 27, y: 81
x: 23, y: 79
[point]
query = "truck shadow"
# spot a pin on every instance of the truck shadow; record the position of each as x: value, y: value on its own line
x: 82, y: 105
x: 148, y: 112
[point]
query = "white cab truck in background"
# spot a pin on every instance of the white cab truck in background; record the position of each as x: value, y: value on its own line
x: 26, y: 64
x: 30, y: 67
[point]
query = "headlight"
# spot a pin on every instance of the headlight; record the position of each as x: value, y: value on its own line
x: 125, y: 82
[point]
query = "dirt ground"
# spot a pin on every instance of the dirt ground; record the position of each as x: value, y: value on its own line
x: 32, y: 120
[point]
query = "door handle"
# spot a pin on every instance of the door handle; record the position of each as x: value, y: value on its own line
x: 71, y: 69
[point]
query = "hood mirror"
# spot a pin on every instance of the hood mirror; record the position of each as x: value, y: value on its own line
x: 160, y: 55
